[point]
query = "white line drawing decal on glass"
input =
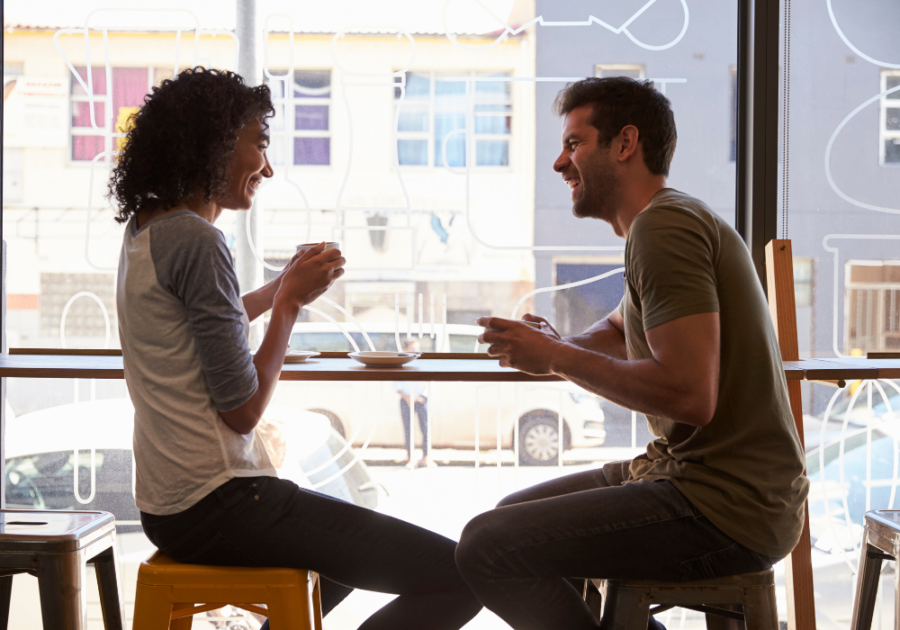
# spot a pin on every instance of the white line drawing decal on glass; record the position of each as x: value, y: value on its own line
x: 616, y: 30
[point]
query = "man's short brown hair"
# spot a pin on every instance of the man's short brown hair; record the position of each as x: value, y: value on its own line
x: 620, y: 101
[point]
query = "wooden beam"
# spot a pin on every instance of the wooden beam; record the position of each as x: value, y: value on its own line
x: 782, y: 306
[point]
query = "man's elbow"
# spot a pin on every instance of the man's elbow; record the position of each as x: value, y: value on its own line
x: 697, y: 412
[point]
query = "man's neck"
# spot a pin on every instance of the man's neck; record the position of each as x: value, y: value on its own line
x: 633, y: 198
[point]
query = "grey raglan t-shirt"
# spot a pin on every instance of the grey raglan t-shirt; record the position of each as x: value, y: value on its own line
x: 183, y: 331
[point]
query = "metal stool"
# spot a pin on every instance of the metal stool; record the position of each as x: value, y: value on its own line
x: 167, y: 592
x: 881, y: 541
x: 627, y: 603
x: 56, y: 547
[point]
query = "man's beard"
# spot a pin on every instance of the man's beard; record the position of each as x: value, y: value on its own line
x: 599, y: 185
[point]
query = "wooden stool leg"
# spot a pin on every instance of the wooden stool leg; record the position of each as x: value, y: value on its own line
x: 866, y: 586
x: 289, y: 609
x: 716, y: 622
x: 625, y: 609
x: 108, y: 584
x: 61, y: 587
x: 152, y: 608
x: 184, y: 623
x: 5, y: 599
x: 760, y: 609
x: 317, y: 601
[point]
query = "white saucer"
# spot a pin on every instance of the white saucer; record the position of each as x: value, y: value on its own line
x: 384, y: 359
x: 299, y: 356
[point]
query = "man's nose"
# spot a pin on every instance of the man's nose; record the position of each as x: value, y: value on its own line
x: 561, y: 162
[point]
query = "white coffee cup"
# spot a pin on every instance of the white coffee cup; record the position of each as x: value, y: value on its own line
x: 302, y: 249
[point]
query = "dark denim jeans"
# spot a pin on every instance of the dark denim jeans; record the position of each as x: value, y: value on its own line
x: 265, y: 521
x: 517, y: 557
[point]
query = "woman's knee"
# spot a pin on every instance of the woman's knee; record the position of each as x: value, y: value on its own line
x: 479, y: 539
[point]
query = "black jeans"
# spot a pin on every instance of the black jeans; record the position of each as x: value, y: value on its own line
x: 422, y: 414
x: 265, y: 521
x: 517, y: 557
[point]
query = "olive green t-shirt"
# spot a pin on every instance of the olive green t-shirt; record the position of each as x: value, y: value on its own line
x: 743, y: 470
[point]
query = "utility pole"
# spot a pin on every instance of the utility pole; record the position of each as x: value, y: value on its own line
x: 249, y: 269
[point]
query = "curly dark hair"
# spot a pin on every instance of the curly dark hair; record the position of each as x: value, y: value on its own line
x: 621, y: 101
x: 181, y: 140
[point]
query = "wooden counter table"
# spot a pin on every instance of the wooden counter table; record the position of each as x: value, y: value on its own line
x: 336, y: 366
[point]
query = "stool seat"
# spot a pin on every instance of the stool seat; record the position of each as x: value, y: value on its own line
x: 627, y: 603
x: 56, y: 547
x: 169, y: 593
x: 881, y: 541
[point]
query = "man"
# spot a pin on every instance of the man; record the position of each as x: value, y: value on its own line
x: 721, y: 490
x: 412, y: 395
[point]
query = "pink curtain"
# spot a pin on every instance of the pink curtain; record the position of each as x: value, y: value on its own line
x: 129, y: 85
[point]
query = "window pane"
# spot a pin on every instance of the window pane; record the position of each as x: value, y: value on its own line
x: 418, y: 86
x: 492, y: 153
x: 81, y: 114
x: 86, y: 147
x: 412, y: 152
x: 487, y: 119
x: 98, y: 77
x: 492, y: 91
x: 892, y: 81
x: 892, y: 151
x: 413, y: 120
x: 313, y: 117
x: 892, y: 119
x: 312, y: 83
x: 314, y: 151
x: 444, y: 123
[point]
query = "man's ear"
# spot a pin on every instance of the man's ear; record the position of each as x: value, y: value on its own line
x: 627, y: 142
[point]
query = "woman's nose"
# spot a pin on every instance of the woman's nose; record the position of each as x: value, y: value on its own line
x: 267, y: 169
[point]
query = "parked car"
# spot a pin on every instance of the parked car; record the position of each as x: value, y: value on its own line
x: 78, y: 456
x: 461, y: 414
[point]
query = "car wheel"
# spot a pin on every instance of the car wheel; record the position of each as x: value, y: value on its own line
x: 336, y: 423
x: 539, y: 439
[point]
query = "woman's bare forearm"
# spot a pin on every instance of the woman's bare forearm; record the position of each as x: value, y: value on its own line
x: 258, y: 302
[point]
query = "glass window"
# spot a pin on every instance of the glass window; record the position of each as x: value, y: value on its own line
x: 890, y: 117
x: 306, y: 141
x: 433, y: 114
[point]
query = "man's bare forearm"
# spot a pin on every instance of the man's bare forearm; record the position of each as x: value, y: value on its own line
x: 603, y: 337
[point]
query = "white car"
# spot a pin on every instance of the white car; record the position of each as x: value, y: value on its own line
x: 461, y: 414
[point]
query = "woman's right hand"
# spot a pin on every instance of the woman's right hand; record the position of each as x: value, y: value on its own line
x: 310, y: 275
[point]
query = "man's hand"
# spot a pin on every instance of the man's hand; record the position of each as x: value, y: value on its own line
x: 518, y: 345
x: 537, y: 319
x: 310, y: 275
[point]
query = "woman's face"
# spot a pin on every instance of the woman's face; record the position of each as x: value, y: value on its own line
x: 248, y: 166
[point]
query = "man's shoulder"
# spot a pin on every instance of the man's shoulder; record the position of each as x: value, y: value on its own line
x: 670, y: 206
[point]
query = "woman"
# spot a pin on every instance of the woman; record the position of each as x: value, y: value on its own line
x: 205, y: 485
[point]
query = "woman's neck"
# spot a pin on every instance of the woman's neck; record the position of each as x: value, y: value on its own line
x: 208, y: 210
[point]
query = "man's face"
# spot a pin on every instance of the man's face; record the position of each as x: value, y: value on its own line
x: 587, y: 167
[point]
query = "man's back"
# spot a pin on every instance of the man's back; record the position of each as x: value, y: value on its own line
x: 743, y: 470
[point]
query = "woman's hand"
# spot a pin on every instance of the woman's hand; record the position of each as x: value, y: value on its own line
x: 309, y: 275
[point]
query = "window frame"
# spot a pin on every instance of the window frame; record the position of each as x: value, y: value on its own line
x: 600, y: 67
x: 885, y: 103
x: 471, y: 113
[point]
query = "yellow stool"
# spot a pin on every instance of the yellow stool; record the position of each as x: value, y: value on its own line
x: 167, y: 594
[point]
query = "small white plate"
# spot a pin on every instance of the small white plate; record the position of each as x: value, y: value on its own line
x: 384, y: 359
x: 299, y: 356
